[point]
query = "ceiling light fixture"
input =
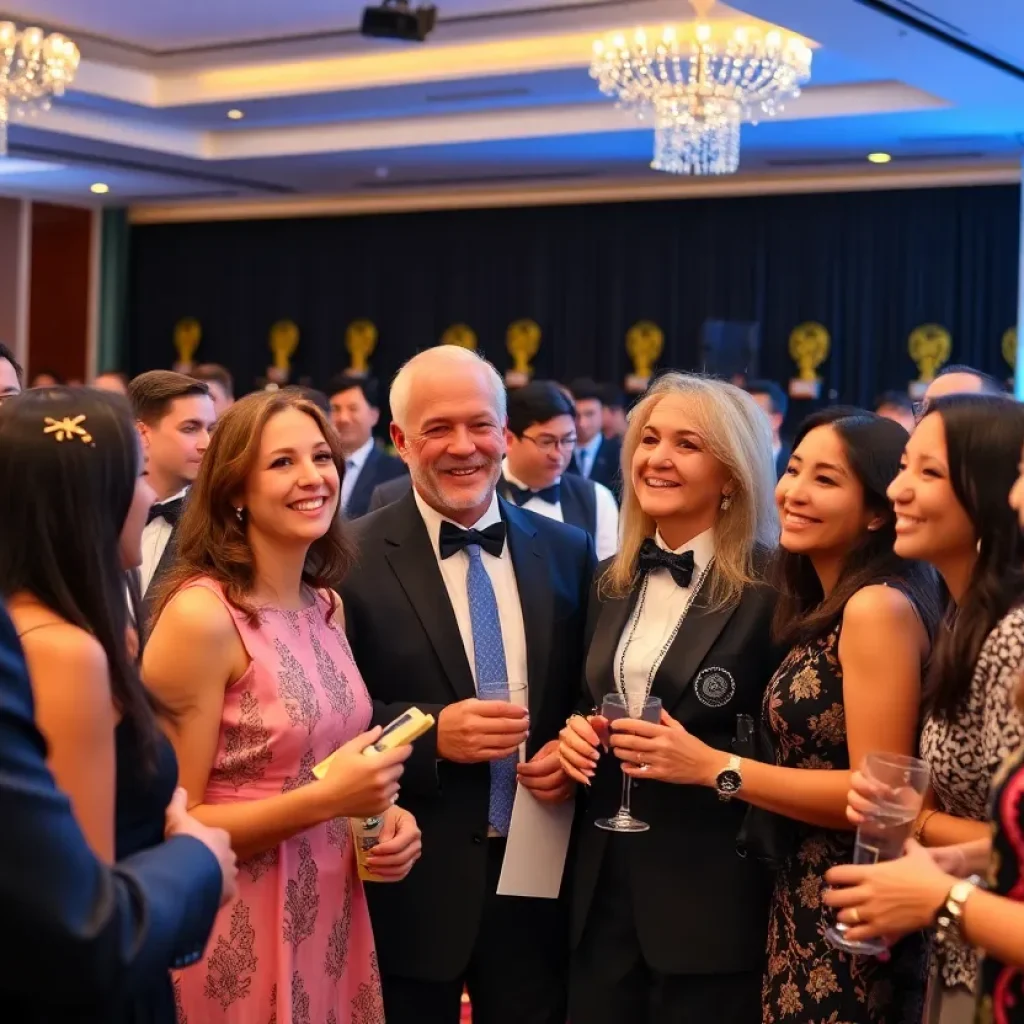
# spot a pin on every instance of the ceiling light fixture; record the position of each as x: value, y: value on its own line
x: 34, y: 67
x: 879, y: 158
x: 236, y: 115
x: 99, y: 188
x: 698, y: 83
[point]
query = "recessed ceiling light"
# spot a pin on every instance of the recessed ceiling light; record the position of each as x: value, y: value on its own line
x: 99, y: 188
x: 879, y: 158
x: 236, y: 115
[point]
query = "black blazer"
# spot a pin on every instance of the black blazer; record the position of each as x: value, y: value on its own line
x: 606, y: 469
x: 699, y: 908
x: 407, y: 645
x: 378, y: 467
x: 389, y: 492
x: 84, y: 933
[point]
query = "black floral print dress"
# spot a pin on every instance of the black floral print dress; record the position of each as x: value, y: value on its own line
x: 806, y: 980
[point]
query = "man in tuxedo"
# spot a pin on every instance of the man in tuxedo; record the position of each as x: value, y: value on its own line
x: 355, y: 412
x: 81, y: 935
x: 12, y: 376
x: 174, y: 415
x: 456, y: 596
x: 596, y: 456
x: 774, y: 403
x: 541, y: 438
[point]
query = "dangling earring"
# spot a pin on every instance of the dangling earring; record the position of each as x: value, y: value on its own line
x: 725, y: 503
x: 239, y: 514
x: 979, y: 546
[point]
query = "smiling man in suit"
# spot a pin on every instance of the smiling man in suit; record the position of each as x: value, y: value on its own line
x: 354, y: 413
x: 457, y: 595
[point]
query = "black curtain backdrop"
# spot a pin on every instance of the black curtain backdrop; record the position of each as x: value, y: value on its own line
x: 869, y: 266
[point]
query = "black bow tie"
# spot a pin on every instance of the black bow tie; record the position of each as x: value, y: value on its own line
x: 169, y: 510
x: 521, y: 495
x: 453, y: 539
x: 654, y: 557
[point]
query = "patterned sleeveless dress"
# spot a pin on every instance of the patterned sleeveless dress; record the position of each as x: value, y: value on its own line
x: 295, y: 945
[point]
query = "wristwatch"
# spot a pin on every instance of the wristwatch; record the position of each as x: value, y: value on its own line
x: 728, y: 781
x: 947, y: 920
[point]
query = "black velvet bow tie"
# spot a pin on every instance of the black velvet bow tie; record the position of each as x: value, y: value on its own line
x: 169, y: 510
x: 654, y: 557
x: 521, y: 495
x: 453, y: 539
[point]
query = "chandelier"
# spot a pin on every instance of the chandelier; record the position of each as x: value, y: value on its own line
x: 699, y: 84
x: 33, y: 68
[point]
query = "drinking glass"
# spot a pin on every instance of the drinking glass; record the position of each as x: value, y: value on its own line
x: 616, y: 706
x: 900, y: 784
x: 511, y: 693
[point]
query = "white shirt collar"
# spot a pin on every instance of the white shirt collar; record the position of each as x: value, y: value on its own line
x: 592, y: 445
x: 174, y: 497
x: 515, y: 481
x: 360, y: 455
x: 702, y: 546
x: 433, y: 519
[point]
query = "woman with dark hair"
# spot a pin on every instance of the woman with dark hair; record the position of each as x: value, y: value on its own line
x: 952, y: 511
x: 71, y: 519
x: 249, y: 651
x: 857, y: 620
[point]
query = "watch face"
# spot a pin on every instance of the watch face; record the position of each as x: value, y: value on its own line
x: 729, y: 782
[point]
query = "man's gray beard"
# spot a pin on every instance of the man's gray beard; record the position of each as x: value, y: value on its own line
x: 426, y: 482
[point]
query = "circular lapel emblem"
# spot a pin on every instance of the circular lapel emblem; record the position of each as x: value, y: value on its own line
x: 715, y: 687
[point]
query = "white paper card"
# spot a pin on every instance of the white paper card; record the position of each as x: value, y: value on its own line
x: 538, y: 839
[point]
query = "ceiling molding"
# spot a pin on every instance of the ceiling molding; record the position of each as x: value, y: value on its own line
x: 577, y: 193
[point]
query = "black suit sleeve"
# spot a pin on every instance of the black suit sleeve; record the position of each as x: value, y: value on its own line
x: 96, y: 930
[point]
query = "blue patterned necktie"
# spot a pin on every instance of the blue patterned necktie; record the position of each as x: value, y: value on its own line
x: 491, y: 679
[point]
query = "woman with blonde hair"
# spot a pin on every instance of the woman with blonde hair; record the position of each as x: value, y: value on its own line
x: 669, y: 924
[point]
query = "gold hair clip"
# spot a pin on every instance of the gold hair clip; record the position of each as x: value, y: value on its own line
x: 67, y: 428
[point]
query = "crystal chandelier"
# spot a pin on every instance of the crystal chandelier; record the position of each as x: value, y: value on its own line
x: 33, y: 68
x: 699, y: 90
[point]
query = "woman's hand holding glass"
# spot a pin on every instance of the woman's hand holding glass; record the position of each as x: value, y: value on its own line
x: 578, y: 744
x: 665, y: 751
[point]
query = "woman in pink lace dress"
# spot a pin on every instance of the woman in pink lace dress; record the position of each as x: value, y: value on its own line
x: 250, y: 652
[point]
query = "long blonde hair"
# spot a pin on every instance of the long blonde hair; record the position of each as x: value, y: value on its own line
x: 737, y: 433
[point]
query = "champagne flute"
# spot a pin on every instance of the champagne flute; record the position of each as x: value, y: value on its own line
x: 900, y: 784
x: 617, y: 706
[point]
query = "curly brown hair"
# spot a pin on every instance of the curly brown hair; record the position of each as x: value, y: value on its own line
x: 211, y: 539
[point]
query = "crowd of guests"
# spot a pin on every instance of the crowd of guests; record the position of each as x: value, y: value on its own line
x: 207, y: 598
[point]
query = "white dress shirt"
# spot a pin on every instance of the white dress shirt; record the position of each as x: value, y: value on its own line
x: 607, y: 540
x: 353, y: 467
x: 587, y: 453
x: 503, y: 579
x: 665, y: 605
x: 154, y: 540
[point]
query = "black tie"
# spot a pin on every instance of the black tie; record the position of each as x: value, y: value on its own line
x: 169, y: 510
x: 521, y: 495
x: 453, y: 539
x: 654, y: 557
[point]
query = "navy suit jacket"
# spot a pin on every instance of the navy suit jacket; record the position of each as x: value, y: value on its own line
x: 378, y: 468
x: 83, y: 937
x: 606, y: 469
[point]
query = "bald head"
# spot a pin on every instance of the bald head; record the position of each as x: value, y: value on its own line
x: 962, y: 380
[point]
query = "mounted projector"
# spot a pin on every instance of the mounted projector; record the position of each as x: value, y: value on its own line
x: 395, y: 19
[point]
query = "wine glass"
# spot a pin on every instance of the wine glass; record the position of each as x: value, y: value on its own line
x: 617, y: 706
x: 900, y: 783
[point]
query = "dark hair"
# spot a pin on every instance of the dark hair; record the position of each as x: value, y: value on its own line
x: 873, y: 446
x: 989, y: 385
x: 778, y: 397
x: 65, y: 504
x: 212, y: 541
x: 584, y: 390
x: 346, y: 382
x: 536, y: 402
x: 897, y: 399
x: 318, y: 398
x: 612, y: 397
x: 214, y: 373
x: 152, y: 393
x: 19, y: 372
x: 984, y: 437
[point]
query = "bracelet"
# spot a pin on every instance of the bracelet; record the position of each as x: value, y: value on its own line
x: 918, y: 834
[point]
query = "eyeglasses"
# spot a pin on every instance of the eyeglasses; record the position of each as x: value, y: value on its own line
x: 548, y: 443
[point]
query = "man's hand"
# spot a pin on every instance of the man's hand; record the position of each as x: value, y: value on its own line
x: 399, y: 848
x: 180, y: 823
x: 481, y: 730
x: 544, y: 777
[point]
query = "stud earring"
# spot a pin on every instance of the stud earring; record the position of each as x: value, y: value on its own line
x: 725, y: 503
x: 239, y: 514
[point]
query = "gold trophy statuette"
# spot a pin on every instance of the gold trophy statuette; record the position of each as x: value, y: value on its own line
x: 360, y: 340
x: 1010, y: 351
x: 187, y: 334
x: 809, y: 345
x: 644, y: 342
x: 284, y: 340
x: 461, y: 335
x: 929, y: 346
x: 522, y: 339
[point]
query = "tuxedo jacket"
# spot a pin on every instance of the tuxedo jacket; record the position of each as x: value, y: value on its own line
x: 83, y: 936
x: 378, y: 468
x: 389, y: 492
x: 606, y: 469
x: 407, y: 645
x: 699, y: 907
